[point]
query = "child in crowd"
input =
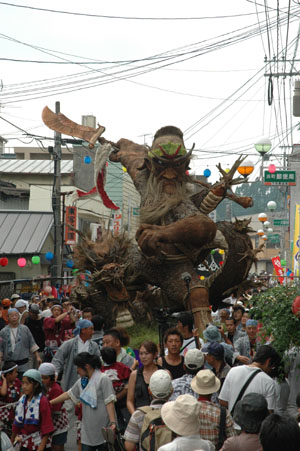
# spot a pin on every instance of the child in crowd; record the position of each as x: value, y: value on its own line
x: 10, y: 390
x: 33, y: 423
x: 119, y: 375
x: 59, y: 414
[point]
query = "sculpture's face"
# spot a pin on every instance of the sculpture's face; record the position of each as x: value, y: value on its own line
x: 170, y: 173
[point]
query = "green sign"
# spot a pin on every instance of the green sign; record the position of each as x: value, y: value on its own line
x: 281, y: 222
x: 136, y: 211
x: 280, y: 178
x: 274, y: 238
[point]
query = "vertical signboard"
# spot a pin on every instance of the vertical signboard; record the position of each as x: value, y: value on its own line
x: 278, y: 269
x: 117, y: 223
x: 71, y: 220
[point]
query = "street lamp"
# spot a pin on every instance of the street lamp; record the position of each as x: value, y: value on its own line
x: 262, y: 217
x: 262, y: 146
x: 246, y: 168
x: 272, y: 205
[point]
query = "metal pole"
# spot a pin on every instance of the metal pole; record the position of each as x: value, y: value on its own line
x: 56, y: 204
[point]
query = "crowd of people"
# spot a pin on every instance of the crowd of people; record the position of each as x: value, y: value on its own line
x: 62, y: 369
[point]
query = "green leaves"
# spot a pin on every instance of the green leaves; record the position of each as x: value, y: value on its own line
x: 273, y: 308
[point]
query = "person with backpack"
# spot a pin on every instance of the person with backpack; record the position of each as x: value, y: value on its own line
x: 216, y: 423
x: 146, y: 430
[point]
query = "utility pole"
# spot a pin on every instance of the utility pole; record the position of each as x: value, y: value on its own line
x: 56, y: 205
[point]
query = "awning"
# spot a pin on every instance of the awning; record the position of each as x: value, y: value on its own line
x: 23, y: 232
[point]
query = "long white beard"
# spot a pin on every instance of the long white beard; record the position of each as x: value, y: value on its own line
x: 156, y: 204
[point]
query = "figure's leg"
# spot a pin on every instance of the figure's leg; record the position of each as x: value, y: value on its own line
x: 199, y: 304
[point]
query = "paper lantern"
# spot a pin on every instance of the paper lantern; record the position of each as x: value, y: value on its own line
x: 260, y: 232
x: 49, y: 256
x: 270, y: 230
x: 272, y: 168
x: 265, y: 238
x: 213, y: 252
x: 207, y: 173
x: 74, y: 272
x: 202, y: 277
x: 21, y: 262
x: 3, y: 261
x: 35, y: 259
x: 227, y: 170
x: 87, y: 159
x: 221, y: 251
x: 221, y: 263
x: 267, y: 224
x: 69, y: 263
x: 283, y: 262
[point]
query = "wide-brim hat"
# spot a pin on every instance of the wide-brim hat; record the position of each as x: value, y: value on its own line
x: 250, y: 412
x: 182, y: 415
x: 205, y: 383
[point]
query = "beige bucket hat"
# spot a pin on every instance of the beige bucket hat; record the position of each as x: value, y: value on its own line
x: 182, y: 415
x: 205, y: 383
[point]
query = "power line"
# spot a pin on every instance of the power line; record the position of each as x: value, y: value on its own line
x: 102, y: 16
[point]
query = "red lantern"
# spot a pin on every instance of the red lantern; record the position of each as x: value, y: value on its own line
x: 296, y: 305
x: 221, y: 263
x: 21, y: 262
x: 3, y: 261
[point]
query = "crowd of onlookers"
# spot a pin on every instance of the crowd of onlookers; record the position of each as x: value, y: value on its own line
x: 62, y: 368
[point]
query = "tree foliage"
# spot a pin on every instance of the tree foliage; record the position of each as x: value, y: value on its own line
x: 273, y: 308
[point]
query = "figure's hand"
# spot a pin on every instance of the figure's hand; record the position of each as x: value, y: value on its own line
x: 149, y: 237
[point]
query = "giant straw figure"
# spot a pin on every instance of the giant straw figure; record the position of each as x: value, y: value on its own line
x: 175, y: 232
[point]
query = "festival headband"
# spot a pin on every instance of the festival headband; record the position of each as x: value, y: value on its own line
x: 9, y: 370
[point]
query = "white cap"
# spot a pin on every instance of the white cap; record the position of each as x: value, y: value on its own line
x: 20, y: 303
x: 194, y: 359
x: 160, y: 384
x: 47, y: 369
x: 15, y: 296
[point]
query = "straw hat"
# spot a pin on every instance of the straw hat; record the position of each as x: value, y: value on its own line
x: 182, y: 415
x: 205, y: 383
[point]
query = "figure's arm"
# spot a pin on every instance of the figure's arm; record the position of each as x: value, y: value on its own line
x: 130, y: 154
x: 210, y: 196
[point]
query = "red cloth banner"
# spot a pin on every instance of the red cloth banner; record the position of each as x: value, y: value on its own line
x: 278, y: 269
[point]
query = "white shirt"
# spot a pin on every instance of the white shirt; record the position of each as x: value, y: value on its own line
x: 188, y: 443
x: 235, y: 380
x: 83, y: 346
x: 189, y: 343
